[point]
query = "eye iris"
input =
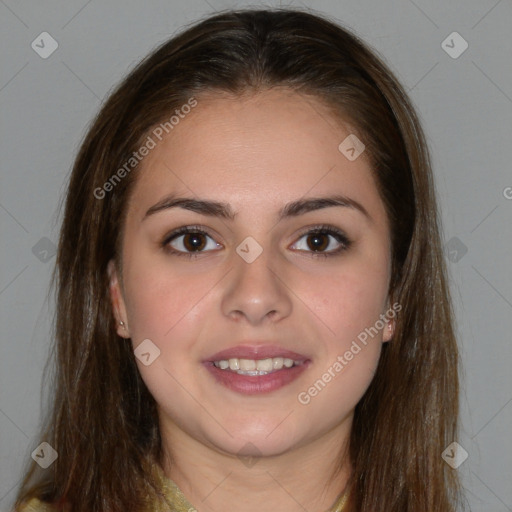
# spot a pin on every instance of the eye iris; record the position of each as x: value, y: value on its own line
x: 317, y: 241
x: 195, y: 241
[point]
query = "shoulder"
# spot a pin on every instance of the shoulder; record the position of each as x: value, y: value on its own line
x: 35, y: 505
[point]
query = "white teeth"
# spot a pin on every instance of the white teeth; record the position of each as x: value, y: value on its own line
x: 247, y: 364
x: 251, y: 373
x: 264, y: 365
x: 256, y: 366
x: 277, y: 362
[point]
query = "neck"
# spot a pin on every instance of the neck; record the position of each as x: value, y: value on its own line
x: 310, y: 477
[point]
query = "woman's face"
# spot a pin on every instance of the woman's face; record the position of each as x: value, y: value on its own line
x: 267, y: 278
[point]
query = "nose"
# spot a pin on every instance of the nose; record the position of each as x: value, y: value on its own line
x: 257, y: 291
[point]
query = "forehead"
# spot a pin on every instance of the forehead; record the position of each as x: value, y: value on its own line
x: 263, y: 149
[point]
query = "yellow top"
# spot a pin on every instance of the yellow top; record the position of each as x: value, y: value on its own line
x: 173, y: 499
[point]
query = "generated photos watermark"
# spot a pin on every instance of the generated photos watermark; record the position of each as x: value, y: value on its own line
x: 150, y: 143
x: 305, y: 397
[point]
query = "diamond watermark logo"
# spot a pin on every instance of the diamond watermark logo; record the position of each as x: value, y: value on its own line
x: 44, y: 250
x: 249, y: 249
x: 351, y: 147
x: 454, y: 455
x: 249, y: 454
x: 454, y: 45
x: 44, y: 45
x: 147, y: 352
x: 455, y: 249
x: 45, y: 455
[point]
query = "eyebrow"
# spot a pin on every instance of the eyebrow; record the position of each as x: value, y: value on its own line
x: 224, y: 210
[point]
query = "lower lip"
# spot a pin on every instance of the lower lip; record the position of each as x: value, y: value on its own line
x: 258, y: 384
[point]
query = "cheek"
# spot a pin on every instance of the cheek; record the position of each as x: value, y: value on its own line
x: 168, y: 308
x: 351, y: 306
x: 336, y: 389
x: 160, y: 302
x: 349, y: 299
x: 349, y: 303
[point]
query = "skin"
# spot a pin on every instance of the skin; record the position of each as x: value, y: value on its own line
x: 256, y: 153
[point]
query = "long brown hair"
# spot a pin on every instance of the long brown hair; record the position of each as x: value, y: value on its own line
x: 104, y: 422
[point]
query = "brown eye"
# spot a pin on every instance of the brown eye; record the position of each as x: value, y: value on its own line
x: 318, y: 241
x: 323, y: 241
x: 194, y: 241
x: 189, y: 241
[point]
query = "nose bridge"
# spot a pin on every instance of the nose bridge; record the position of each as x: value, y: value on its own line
x: 255, y: 289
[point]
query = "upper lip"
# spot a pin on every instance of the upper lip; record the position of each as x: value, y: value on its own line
x: 254, y: 351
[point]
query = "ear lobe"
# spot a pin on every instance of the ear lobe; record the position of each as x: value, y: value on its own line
x: 389, y: 331
x: 117, y: 301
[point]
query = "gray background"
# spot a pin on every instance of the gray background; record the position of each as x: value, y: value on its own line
x: 465, y: 104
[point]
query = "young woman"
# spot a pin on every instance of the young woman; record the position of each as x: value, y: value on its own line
x: 252, y: 304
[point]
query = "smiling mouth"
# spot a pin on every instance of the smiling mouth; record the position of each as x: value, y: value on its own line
x: 256, y: 376
x: 256, y: 367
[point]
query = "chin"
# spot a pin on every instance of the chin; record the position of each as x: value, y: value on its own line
x: 255, y: 441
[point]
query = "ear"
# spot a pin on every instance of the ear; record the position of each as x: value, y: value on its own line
x: 117, y: 300
x: 389, y: 328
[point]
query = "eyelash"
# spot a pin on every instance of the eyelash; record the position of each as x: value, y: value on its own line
x: 323, y: 229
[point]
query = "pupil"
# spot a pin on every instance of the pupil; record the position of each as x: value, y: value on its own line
x: 317, y: 244
x: 193, y: 242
